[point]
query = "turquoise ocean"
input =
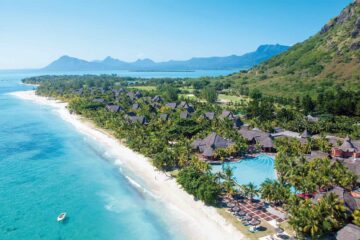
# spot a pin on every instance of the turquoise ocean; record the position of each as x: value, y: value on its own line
x: 47, y: 167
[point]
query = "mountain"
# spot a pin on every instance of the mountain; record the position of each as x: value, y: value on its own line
x: 329, y: 59
x: 264, y: 52
x: 66, y: 63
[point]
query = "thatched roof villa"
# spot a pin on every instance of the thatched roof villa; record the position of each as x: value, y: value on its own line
x: 208, y: 145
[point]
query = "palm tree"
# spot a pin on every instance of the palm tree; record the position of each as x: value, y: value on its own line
x: 250, y: 190
x: 228, y: 174
x: 229, y: 182
x: 335, y: 209
x: 356, y: 217
x: 218, y: 176
x: 305, y: 219
x: 267, y: 190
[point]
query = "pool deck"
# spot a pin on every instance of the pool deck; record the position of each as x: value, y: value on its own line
x: 257, y: 210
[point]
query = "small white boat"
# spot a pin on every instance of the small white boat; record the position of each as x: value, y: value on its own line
x: 61, y: 217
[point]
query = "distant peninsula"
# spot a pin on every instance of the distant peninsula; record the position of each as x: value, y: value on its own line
x: 246, y: 61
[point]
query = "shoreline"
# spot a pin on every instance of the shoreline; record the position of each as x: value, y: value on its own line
x: 196, y: 220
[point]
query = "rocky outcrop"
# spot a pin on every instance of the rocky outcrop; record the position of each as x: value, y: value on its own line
x: 355, y: 46
x: 344, y: 16
x: 356, y: 31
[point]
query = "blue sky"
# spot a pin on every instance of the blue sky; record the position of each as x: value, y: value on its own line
x: 34, y: 33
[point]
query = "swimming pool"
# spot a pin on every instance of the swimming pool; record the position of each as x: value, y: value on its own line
x: 254, y: 170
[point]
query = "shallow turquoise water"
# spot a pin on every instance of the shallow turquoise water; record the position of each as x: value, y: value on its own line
x: 254, y: 170
x: 46, y: 167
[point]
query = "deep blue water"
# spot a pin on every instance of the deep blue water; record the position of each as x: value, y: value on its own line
x: 46, y: 167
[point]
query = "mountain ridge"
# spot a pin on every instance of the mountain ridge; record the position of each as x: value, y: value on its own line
x: 262, y: 53
x: 328, y: 60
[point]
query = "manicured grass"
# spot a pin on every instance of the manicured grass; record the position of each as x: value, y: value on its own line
x: 232, y: 98
x: 189, y: 96
x: 189, y: 89
x: 245, y: 229
x: 145, y: 88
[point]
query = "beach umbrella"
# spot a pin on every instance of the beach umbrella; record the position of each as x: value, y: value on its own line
x: 226, y: 200
x: 231, y: 205
x: 235, y: 209
x: 248, y: 217
x: 241, y: 213
x: 255, y: 222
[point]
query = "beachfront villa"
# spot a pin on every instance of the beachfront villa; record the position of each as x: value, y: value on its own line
x: 207, y: 146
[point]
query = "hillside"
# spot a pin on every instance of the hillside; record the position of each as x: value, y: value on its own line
x: 329, y: 59
x: 264, y: 52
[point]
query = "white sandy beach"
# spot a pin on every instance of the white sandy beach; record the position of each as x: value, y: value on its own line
x: 195, y: 219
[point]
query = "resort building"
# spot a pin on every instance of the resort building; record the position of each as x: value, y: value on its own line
x: 164, y: 116
x: 316, y: 154
x: 138, y: 94
x: 117, y: 92
x: 257, y: 137
x: 184, y: 105
x: 185, y: 115
x: 303, y: 137
x: 157, y: 99
x: 130, y: 114
x: 208, y: 145
x: 113, y: 108
x: 142, y: 120
x: 346, y: 150
x: 208, y: 115
x: 171, y: 105
x: 135, y: 106
x: 79, y: 91
x: 230, y: 116
x: 349, y: 232
x: 353, y: 166
x: 350, y: 200
x: 227, y: 114
x: 98, y: 100
x: 133, y: 95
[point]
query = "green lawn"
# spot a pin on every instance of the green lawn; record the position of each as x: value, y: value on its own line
x: 232, y: 98
x: 145, y: 88
x: 189, y: 89
x: 189, y: 96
